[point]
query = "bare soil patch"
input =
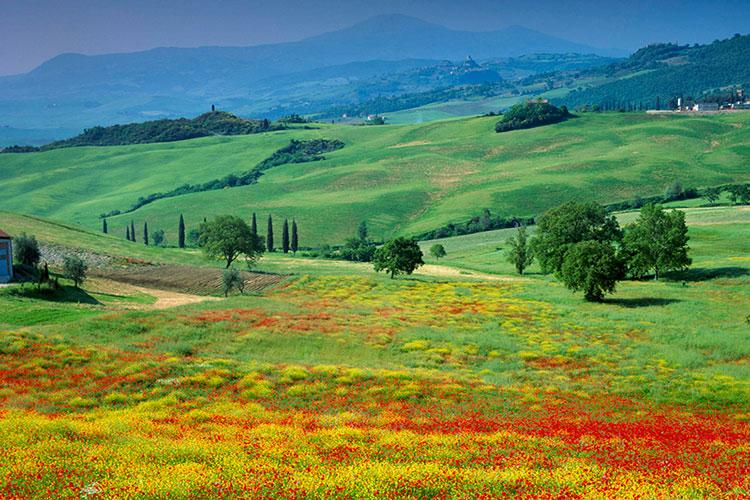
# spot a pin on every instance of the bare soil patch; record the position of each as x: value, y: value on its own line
x: 185, y: 279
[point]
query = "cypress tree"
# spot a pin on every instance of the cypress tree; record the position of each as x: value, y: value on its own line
x: 254, y: 225
x: 269, y: 237
x: 285, y: 236
x: 295, y: 242
x: 145, y: 233
x: 105, y: 230
x: 181, y: 233
x: 132, y: 231
x: 127, y: 233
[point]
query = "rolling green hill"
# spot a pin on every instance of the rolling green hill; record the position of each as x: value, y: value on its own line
x: 401, y: 179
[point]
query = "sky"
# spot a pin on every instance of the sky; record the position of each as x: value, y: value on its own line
x: 32, y: 31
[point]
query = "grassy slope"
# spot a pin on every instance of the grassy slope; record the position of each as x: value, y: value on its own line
x: 307, y: 369
x: 402, y: 179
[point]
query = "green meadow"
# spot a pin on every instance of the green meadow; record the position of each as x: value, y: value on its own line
x: 402, y: 179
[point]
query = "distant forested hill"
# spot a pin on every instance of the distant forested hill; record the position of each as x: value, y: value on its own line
x: 213, y: 123
x: 666, y: 71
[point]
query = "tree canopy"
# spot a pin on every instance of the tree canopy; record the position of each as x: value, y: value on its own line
x: 568, y: 224
x: 657, y: 241
x: 519, y: 253
x: 531, y: 114
x: 228, y: 237
x: 592, y: 267
x: 398, y: 256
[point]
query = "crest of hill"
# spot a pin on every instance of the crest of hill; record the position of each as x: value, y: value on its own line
x: 207, y: 124
x: 666, y: 71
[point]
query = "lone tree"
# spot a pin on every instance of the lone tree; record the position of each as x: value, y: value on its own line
x: 145, y: 233
x: 398, y: 256
x: 254, y: 225
x: 657, y: 241
x: 74, y: 268
x: 712, y: 194
x: 269, y: 235
x: 438, y: 251
x: 181, y: 233
x: 295, y: 240
x: 105, y: 230
x: 227, y: 237
x: 568, y: 224
x: 26, y: 250
x: 592, y: 267
x: 519, y: 254
x: 285, y: 236
x: 159, y: 238
x: 127, y: 233
x: 132, y: 231
x: 231, y: 279
x: 362, y: 231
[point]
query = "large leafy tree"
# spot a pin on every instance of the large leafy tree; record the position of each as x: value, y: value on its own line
x: 398, y: 256
x: 657, y: 242
x: 571, y: 223
x: 592, y: 267
x: 519, y: 253
x: 228, y: 237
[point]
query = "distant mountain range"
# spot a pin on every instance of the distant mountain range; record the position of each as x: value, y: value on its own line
x: 76, y: 91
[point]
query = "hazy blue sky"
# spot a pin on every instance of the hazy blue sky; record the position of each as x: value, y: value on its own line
x: 32, y: 31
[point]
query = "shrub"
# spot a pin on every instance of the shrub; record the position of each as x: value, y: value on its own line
x: 26, y: 250
x: 74, y: 268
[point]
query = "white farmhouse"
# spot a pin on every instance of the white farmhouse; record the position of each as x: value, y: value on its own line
x: 6, y: 257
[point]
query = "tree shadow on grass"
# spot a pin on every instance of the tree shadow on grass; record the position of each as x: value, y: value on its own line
x: 64, y: 294
x: 641, y: 302
x: 708, y: 273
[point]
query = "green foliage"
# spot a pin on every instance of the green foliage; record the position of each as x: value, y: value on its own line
x: 397, y: 256
x: 592, y: 267
x: 231, y: 279
x: 214, y: 123
x: 145, y: 233
x: 355, y: 250
x: 269, y: 235
x: 571, y: 223
x: 193, y: 237
x: 657, y: 241
x: 739, y: 193
x: 438, y: 251
x: 159, y: 238
x: 519, y: 253
x: 664, y: 71
x: 26, y: 250
x: 181, y: 232
x: 285, y: 236
x: 74, y: 268
x: 228, y: 237
x: 105, y: 229
x: 531, y: 114
x: 295, y: 152
x: 362, y: 230
x: 295, y: 237
x: 674, y: 192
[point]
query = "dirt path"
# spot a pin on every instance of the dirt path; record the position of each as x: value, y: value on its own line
x: 166, y: 299
x: 453, y: 272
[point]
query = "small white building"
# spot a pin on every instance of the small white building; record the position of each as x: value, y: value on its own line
x: 6, y: 257
x: 706, y: 106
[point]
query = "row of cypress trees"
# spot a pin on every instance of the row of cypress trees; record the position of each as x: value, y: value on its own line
x: 287, y: 243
